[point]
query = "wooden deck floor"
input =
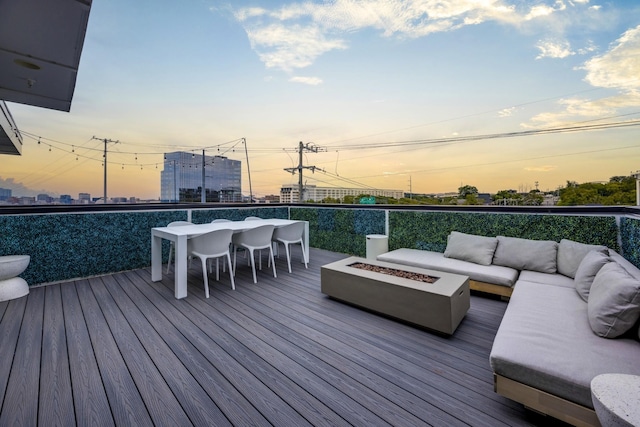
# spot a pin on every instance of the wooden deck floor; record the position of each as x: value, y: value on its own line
x: 120, y: 350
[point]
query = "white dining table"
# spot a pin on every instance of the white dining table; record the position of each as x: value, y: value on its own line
x: 180, y: 234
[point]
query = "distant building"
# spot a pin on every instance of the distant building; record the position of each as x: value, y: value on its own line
x: 289, y: 193
x: 65, y: 199
x: 26, y: 200
x: 272, y: 198
x: 181, y: 178
x: 43, y: 199
x: 84, y: 198
x: 5, y: 194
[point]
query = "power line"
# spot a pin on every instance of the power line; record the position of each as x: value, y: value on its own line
x: 563, y: 129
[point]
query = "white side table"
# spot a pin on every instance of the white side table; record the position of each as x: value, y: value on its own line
x: 377, y: 244
x: 11, y: 286
x: 616, y: 399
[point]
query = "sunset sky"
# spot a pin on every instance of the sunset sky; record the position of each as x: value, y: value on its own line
x: 398, y: 94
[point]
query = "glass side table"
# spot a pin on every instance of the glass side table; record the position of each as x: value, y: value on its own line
x: 616, y: 399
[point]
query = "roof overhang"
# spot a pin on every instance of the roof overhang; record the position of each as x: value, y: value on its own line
x: 40, y: 46
x: 10, y: 138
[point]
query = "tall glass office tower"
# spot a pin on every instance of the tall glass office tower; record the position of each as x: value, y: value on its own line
x: 182, y: 178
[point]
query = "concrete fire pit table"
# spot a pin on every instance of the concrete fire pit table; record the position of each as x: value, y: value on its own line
x: 439, y: 306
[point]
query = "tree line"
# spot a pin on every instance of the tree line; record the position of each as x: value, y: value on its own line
x: 620, y: 190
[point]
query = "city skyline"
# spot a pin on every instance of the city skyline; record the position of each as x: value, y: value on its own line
x: 400, y: 94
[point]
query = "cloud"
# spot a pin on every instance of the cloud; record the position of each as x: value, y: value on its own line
x: 313, y: 81
x: 618, y: 70
x: 506, y: 112
x: 543, y: 168
x: 554, y: 49
x: 542, y: 10
x: 295, y: 35
x: 289, y: 48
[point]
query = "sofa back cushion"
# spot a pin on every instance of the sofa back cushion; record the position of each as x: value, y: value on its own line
x: 525, y: 254
x: 586, y: 273
x: 614, y: 301
x: 571, y: 254
x: 472, y: 248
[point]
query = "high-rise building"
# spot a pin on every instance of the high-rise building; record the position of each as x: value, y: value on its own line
x: 182, y: 177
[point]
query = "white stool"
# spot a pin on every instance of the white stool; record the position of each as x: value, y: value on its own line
x: 11, y: 286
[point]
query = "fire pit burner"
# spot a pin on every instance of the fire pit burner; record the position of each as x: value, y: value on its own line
x: 395, y: 272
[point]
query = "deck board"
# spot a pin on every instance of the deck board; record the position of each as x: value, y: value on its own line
x: 121, y: 350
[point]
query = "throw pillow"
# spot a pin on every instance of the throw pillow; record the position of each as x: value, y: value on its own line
x: 472, y: 248
x: 589, y: 267
x: 614, y: 301
x: 525, y: 254
x: 571, y: 254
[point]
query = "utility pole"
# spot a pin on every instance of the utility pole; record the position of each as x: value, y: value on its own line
x: 301, y: 148
x: 106, y: 141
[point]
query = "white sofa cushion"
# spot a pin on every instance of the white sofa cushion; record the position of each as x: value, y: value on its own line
x: 545, y: 341
x: 571, y: 254
x: 493, y: 274
x: 525, y: 254
x: 553, y: 279
x: 631, y: 269
x: 614, y: 301
x: 589, y: 267
x: 472, y: 248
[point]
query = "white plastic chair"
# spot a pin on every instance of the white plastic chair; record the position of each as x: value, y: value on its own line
x: 255, y: 238
x: 218, y: 221
x: 214, y: 244
x: 252, y: 218
x: 290, y: 235
x: 171, y: 244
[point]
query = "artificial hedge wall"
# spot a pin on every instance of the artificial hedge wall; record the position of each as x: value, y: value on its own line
x: 630, y: 237
x: 341, y: 230
x: 345, y: 230
x: 429, y: 230
x: 202, y: 216
x: 68, y: 246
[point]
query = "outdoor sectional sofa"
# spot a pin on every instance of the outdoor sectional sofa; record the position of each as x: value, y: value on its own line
x: 572, y: 315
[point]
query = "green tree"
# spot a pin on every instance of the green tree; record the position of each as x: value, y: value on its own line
x: 533, y: 198
x: 472, y: 199
x: 350, y: 200
x: 466, y: 190
x: 618, y: 191
x: 507, y: 197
